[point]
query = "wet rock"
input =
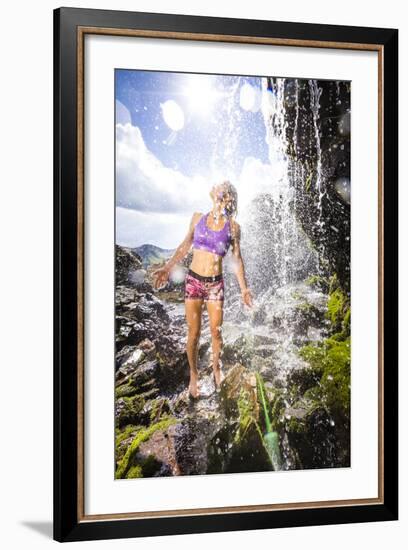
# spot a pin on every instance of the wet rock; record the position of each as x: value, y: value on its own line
x: 238, y: 446
x: 140, y: 460
x: 248, y: 453
x: 130, y: 363
x: 312, y: 434
x: 147, y: 346
x: 123, y: 354
x: 125, y: 262
x: 192, y: 439
x: 302, y: 379
x: 330, y: 155
x: 139, y: 376
x: 223, y: 432
x: 235, y: 349
x: 266, y: 367
x: 238, y: 380
x: 142, y: 330
x: 132, y: 355
x: 128, y: 409
x: 161, y: 447
x: 125, y: 390
x: 154, y: 409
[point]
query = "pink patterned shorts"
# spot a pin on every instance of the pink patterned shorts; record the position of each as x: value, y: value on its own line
x: 198, y: 287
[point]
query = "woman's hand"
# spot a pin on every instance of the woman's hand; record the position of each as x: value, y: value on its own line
x: 246, y: 295
x: 160, y: 276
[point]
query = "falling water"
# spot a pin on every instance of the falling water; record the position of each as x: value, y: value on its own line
x: 278, y: 259
x: 315, y: 93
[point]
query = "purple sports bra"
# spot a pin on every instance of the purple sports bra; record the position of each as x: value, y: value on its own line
x: 216, y: 242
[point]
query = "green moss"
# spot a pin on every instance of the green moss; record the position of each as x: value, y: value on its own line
x: 333, y: 283
x: 338, y: 309
x: 121, y: 435
x: 126, y: 434
x: 132, y: 408
x: 294, y: 425
x: 346, y: 323
x: 305, y: 306
x: 125, y: 390
x: 327, y: 353
x: 330, y: 359
x: 245, y: 408
x: 159, y: 406
x: 313, y: 280
x: 335, y: 307
x: 134, y: 472
x: 149, y: 393
x: 146, y: 468
x: 277, y: 406
x: 149, y: 466
x: 263, y: 402
x: 143, y: 435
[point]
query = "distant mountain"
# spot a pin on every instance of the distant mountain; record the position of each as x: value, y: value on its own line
x: 151, y: 254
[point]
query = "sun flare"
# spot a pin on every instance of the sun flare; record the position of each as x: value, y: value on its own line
x: 201, y: 94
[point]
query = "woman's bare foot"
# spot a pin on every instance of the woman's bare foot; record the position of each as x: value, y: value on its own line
x: 193, y: 386
x: 218, y: 377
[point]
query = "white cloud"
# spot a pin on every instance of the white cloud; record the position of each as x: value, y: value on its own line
x: 144, y: 184
x: 135, y: 228
x: 122, y: 113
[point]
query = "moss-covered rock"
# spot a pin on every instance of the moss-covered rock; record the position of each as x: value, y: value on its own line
x: 134, y: 472
x: 338, y: 308
x: 125, y: 390
x: 247, y: 412
x: 157, y: 408
x: 146, y: 466
x: 123, y: 438
x: 332, y: 360
x: 321, y: 391
x: 318, y: 282
x: 128, y: 410
x: 239, y: 446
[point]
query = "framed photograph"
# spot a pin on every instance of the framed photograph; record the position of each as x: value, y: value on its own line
x: 225, y: 274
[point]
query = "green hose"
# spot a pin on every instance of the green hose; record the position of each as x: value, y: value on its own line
x: 271, y: 438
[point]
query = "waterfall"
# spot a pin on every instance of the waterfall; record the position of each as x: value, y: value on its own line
x: 279, y: 256
x: 315, y: 93
x: 278, y: 252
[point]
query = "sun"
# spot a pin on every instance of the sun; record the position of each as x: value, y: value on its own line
x: 201, y: 94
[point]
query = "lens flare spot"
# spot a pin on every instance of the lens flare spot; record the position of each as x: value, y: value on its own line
x: 173, y: 115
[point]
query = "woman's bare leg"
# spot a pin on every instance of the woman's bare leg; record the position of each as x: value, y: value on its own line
x: 215, y: 315
x: 193, y: 310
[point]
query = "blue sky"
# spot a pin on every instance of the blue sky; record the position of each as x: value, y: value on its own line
x: 176, y: 135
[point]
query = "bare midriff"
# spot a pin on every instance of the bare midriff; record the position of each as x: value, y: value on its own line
x: 206, y: 263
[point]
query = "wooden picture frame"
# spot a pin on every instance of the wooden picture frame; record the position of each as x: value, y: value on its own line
x: 71, y: 25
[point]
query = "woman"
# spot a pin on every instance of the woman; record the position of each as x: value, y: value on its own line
x: 211, y: 236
